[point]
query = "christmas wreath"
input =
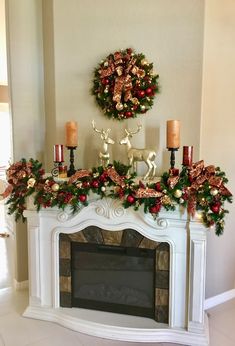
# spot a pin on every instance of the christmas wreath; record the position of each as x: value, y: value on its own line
x: 197, y: 188
x: 125, y: 84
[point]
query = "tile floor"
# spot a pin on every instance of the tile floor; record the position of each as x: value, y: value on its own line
x: 16, y: 330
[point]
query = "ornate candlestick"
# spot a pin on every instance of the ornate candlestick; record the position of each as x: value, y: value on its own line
x: 173, y: 142
x: 172, y: 158
x: 58, y: 159
x: 71, y: 170
x: 56, y: 169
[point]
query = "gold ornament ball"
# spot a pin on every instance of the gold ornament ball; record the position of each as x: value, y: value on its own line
x: 142, y: 107
x: 31, y: 182
x: 178, y: 193
x: 214, y: 192
x: 119, y: 106
x: 103, y: 189
x: 144, y: 62
x: 55, y: 187
x: 166, y: 200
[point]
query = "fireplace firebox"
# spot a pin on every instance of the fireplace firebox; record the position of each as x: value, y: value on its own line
x: 122, y: 272
x: 113, y: 278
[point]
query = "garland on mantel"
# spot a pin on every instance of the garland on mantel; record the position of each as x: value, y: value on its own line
x: 195, y: 188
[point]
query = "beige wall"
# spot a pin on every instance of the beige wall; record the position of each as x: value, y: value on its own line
x: 3, y: 55
x: 218, y: 128
x: 24, y: 31
x: 78, y: 34
x: 170, y: 34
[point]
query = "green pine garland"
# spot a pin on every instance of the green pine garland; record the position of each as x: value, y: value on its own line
x: 27, y: 177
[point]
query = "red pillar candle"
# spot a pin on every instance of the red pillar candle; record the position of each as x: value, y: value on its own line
x: 58, y: 153
x: 187, y: 155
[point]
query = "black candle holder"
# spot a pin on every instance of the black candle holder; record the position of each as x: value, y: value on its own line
x: 172, y: 158
x: 71, y: 170
x: 56, y: 169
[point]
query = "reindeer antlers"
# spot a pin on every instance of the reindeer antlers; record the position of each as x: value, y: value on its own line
x: 100, y: 131
x: 131, y: 133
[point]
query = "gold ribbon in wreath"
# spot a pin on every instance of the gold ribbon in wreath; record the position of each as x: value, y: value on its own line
x: 123, y: 81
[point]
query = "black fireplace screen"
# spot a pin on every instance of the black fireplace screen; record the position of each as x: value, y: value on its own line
x: 113, y: 278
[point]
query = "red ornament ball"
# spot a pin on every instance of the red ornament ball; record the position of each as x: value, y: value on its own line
x: 158, y: 186
x: 155, y: 209
x: 130, y: 199
x: 82, y: 198
x: 86, y: 184
x: 148, y: 91
x: 105, y: 81
x: 95, y: 184
x: 141, y: 93
x: 128, y: 114
x: 215, y: 207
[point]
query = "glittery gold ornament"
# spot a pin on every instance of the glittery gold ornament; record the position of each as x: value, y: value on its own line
x: 55, y: 187
x: 79, y: 184
x: 135, y: 101
x: 144, y: 62
x: 119, y: 106
x: 214, y: 192
x: 178, y: 193
x: 31, y: 182
x: 166, y: 200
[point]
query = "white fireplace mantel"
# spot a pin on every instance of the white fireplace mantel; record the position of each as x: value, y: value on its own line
x: 187, y: 241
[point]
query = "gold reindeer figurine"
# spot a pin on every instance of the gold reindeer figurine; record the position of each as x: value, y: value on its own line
x: 104, y: 154
x: 134, y: 155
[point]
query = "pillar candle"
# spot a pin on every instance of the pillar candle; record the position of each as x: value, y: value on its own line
x: 187, y: 155
x: 58, y: 153
x: 71, y: 128
x: 173, y: 134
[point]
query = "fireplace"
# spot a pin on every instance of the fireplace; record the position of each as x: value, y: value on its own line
x: 113, y: 278
x: 179, y: 245
x: 97, y: 264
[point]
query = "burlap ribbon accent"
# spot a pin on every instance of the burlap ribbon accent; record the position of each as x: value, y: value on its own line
x: 198, y: 175
x: 122, y: 65
x: 115, y: 177
x: 78, y: 175
x: 147, y: 193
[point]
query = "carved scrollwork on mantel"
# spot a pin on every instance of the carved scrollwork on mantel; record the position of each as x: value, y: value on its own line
x: 63, y: 216
x: 109, y: 208
x: 162, y: 223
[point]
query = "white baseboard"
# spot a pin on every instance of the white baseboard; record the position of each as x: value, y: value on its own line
x: 219, y: 299
x: 22, y: 285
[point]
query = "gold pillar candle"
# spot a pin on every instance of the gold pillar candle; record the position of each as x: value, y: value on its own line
x: 71, y: 128
x: 173, y: 134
